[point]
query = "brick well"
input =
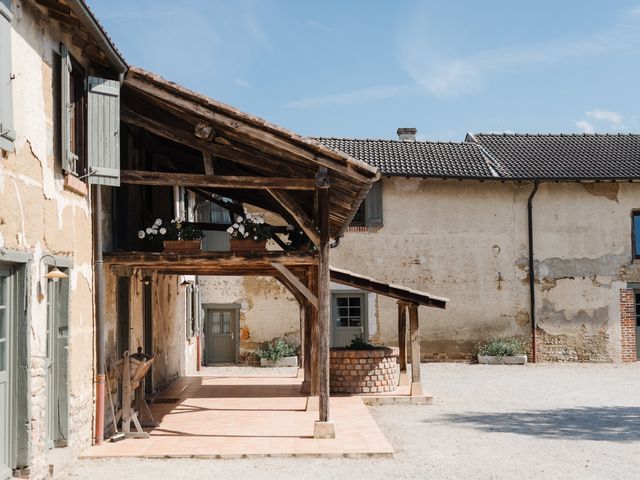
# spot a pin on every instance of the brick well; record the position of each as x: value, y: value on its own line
x: 364, y: 371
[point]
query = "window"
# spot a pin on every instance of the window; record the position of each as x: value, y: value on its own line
x: 636, y: 235
x: 370, y: 212
x: 350, y: 309
x: 637, y: 298
x: 73, y: 114
x: 7, y: 134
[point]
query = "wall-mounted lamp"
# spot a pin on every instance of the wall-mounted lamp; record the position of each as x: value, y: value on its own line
x: 146, y: 280
x: 54, y: 274
x: 186, y: 282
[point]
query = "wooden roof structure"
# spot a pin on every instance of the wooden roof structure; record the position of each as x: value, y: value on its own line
x: 244, y: 157
x: 409, y: 295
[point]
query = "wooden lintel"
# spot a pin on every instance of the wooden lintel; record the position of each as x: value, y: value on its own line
x: 295, y: 281
x: 298, y: 214
x: 140, y: 177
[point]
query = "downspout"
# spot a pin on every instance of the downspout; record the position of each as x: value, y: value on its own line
x: 99, y: 295
x: 532, y: 275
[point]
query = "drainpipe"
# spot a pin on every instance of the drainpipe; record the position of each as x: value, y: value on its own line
x: 99, y: 295
x: 532, y: 275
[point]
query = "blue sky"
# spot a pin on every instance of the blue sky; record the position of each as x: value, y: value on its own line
x: 364, y: 68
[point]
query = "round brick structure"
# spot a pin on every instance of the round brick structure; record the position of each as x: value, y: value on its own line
x: 364, y: 371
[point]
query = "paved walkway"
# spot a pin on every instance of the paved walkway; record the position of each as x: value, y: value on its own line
x: 543, y: 422
x: 236, y: 416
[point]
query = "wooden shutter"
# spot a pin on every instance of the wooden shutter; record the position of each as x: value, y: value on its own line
x: 69, y: 159
x: 7, y: 133
x: 214, y: 241
x: 103, y: 131
x: 62, y: 365
x: 373, y: 206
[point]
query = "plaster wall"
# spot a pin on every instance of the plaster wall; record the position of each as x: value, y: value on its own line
x: 267, y: 308
x: 38, y: 216
x: 467, y: 240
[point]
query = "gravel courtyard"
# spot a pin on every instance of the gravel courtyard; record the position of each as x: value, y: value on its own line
x: 487, y: 422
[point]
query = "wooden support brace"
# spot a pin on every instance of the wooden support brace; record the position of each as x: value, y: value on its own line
x: 207, y: 158
x: 297, y: 213
x: 296, y: 283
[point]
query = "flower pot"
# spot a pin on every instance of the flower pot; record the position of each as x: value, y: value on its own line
x: 247, y: 245
x: 182, y: 246
x: 282, y: 362
x: 508, y: 360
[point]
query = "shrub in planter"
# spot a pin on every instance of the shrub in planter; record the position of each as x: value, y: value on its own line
x: 277, y: 353
x: 509, y: 350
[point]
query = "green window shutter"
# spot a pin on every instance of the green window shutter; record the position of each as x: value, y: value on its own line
x: 7, y: 132
x: 103, y: 131
x: 373, y: 206
x: 68, y: 158
x: 62, y: 352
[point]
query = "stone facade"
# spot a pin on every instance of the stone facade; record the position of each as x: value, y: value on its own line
x: 467, y: 240
x: 363, y: 371
x: 41, y: 215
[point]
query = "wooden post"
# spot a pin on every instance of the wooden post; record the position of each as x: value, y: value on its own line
x: 414, y: 333
x: 323, y: 428
x: 402, y: 342
x: 307, y: 314
x: 314, y: 338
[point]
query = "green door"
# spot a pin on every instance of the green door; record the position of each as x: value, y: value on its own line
x: 56, y: 363
x: 220, y: 336
x: 5, y: 375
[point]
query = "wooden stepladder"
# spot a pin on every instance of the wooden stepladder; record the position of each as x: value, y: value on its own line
x: 133, y: 369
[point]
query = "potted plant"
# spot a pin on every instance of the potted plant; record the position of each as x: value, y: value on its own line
x: 176, y: 236
x: 277, y: 353
x: 502, y: 350
x: 249, y: 233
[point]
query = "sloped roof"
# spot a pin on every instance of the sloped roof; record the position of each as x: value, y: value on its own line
x: 416, y: 159
x: 245, y: 145
x: 563, y: 156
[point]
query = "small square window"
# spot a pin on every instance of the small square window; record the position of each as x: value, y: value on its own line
x: 636, y: 234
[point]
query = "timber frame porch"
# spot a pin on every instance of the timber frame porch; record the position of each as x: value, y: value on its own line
x: 180, y: 141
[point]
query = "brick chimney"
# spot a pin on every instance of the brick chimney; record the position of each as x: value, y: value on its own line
x: 407, y: 134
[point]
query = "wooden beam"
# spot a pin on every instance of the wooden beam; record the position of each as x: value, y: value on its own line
x: 308, y: 345
x: 402, y: 335
x: 414, y: 334
x: 292, y: 289
x: 297, y: 284
x: 207, y: 158
x: 324, y: 304
x: 304, y: 222
x: 140, y: 177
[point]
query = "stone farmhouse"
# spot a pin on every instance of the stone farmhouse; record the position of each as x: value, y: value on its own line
x: 470, y: 219
x: 535, y: 236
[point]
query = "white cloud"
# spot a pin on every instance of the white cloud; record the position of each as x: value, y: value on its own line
x: 454, y: 75
x: 354, y: 96
x: 241, y: 83
x: 614, y: 118
x: 585, y: 126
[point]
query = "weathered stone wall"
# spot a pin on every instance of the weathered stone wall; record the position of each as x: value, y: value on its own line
x: 169, y: 326
x: 467, y: 240
x: 267, y: 308
x: 39, y: 216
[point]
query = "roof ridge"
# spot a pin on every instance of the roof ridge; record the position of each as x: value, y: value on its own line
x: 560, y: 134
x: 393, y: 140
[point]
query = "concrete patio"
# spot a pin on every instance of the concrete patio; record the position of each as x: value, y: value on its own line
x: 222, y: 415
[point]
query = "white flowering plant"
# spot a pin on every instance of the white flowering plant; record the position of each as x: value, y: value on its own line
x: 174, y: 230
x: 250, y: 226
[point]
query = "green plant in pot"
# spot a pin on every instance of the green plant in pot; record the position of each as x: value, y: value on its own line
x: 277, y: 353
x: 509, y: 350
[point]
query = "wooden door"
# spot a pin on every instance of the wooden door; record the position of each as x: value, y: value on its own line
x: 5, y: 374
x: 348, y: 318
x: 220, y: 338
